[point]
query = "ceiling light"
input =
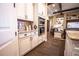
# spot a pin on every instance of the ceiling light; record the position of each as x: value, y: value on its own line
x: 53, y: 5
x: 56, y: 10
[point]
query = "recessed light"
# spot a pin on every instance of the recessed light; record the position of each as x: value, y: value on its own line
x: 53, y: 5
x: 55, y: 10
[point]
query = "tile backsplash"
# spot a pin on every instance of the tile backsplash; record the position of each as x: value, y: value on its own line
x: 24, y: 26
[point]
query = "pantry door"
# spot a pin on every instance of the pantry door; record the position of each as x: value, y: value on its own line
x: 8, y: 22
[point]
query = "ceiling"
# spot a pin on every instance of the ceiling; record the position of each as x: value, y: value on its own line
x: 54, y: 7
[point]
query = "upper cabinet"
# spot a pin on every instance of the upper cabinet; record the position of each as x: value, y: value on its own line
x: 25, y: 11
x: 41, y: 10
x: 20, y: 8
x: 29, y: 11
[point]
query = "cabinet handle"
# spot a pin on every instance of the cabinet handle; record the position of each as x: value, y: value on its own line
x: 31, y: 38
x: 14, y: 5
x: 25, y: 34
x: 15, y: 33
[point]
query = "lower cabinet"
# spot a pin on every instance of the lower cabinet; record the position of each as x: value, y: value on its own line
x: 21, y: 46
x: 34, y: 41
x: 25, y: 45
x: 40, y: 39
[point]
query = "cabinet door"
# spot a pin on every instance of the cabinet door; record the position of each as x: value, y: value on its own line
x: 34, y: 41
x: 41, y: 10
x: 8, y: 22
x: 25, y: 45
x: 29, y: 11
x: 20, y: 7
x: 40, y: 39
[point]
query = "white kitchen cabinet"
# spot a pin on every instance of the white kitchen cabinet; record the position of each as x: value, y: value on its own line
x: 29, y: 11
x: 29, y: 42
x: 20, y: 8
x: 34, y: 40
x: 25, y: 45
x: 41, y: 10
x: 24, y: 11
x: 40, y: 39
x: 44, y: 37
